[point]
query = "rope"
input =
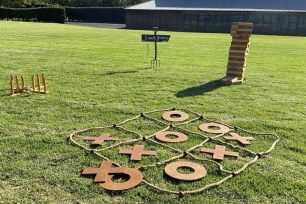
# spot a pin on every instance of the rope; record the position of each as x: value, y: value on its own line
x: 182, y: 154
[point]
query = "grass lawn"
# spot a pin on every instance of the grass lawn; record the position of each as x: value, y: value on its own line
x: 99, y: 77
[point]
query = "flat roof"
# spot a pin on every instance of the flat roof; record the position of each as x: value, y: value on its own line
x: 223, y: 5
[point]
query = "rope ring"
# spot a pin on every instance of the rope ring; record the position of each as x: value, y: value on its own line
x: 182, y: 116
x: 206, y: 127
x: 199, y: 171
x: 180, y: 137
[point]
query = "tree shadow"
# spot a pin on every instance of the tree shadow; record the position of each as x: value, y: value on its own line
x: 200, y: 90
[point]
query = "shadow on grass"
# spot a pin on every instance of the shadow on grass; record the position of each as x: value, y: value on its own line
x: 125, y: 72
x: 5, y: 92
x: 200, y: 90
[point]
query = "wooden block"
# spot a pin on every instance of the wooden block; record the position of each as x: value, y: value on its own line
x: 241, y: 40
x: 231, y: 68
x: 239, y: 76
x: 231, y: 80
x: 233, y: 47
x: 236, y: 46
x: 236, y: 62
x: 238, y: 51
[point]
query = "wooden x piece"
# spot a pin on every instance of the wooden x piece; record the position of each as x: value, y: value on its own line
x: 99, y: 140
x: 137, y: 152
x: 242, y: 140
x: 219, y: 152
x: 103, y: 172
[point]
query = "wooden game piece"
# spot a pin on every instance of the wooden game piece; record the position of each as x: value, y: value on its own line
x: 199, y: 171
x: 12, y: 86
x: 102, y: 172
x: 180, y: 137
x: 22, y: 82
x: 38, y: 83
x: 207, y: 127
x: 169, y: 116
x: 242, y: 140
x: 105, y: 173
x: 99, y: 140
x: 137, y: 152
x: 241, y: 33
x: 33, y: 83
x: 17, y: 84
x: 219, y: 152
x: 44, y: 83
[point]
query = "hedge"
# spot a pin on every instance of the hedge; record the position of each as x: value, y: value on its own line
x: 96, y: 14
x: 54, y: 15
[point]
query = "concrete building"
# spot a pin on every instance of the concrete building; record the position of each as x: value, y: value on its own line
x: 279, y: 17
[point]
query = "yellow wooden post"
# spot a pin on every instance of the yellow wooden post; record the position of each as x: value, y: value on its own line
x: 12, y: 86
x: 22, y: 82
x: 17, y: 84
x: 44, y: 82
x: 33, y: 83
x: 38, y: 83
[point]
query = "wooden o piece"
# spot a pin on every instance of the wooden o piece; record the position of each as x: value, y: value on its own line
x: 180, y: 137
x: 206, y: 127
x: 169, y: 116
x: 199, y: 171
x: 135, y: 178
x: 106, y: 172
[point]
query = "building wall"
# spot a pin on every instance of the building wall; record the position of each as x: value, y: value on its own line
x: 277, y: 23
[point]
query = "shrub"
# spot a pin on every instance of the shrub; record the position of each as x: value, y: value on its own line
x: 96, y: 14
x: 55, y: 15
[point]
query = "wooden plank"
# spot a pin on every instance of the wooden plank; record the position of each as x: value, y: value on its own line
x: 236, y: 62
x: 33, y: 83
x: 238, y: 51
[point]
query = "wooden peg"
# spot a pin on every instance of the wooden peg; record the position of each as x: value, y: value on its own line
x: 33, y: 83
x: 44, y: 82
x: 38, y: 83
x: 12, y: 86
x: 22, y: 82
x: 17, y: 84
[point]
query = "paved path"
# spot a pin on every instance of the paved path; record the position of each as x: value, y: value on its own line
x: 98, y: 25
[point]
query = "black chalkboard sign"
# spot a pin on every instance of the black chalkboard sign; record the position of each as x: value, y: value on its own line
x: 151, y: 38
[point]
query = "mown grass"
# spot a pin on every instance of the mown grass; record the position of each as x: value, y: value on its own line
x: 102, y: 76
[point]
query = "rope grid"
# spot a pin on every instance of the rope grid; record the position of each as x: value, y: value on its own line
x: 182, y: 154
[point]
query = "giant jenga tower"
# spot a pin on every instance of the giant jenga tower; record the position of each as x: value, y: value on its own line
x: 241, y: 33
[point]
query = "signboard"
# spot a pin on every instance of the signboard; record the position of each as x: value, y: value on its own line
x: 151, y: 38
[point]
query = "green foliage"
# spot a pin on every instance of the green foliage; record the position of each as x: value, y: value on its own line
x: 72, y: 3
x: 92, y: 14
x: 55, y: 15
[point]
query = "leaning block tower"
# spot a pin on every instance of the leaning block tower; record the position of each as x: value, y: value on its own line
x: 241, y: 33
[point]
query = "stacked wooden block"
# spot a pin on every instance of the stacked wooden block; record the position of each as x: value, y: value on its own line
x: 241, y: 33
